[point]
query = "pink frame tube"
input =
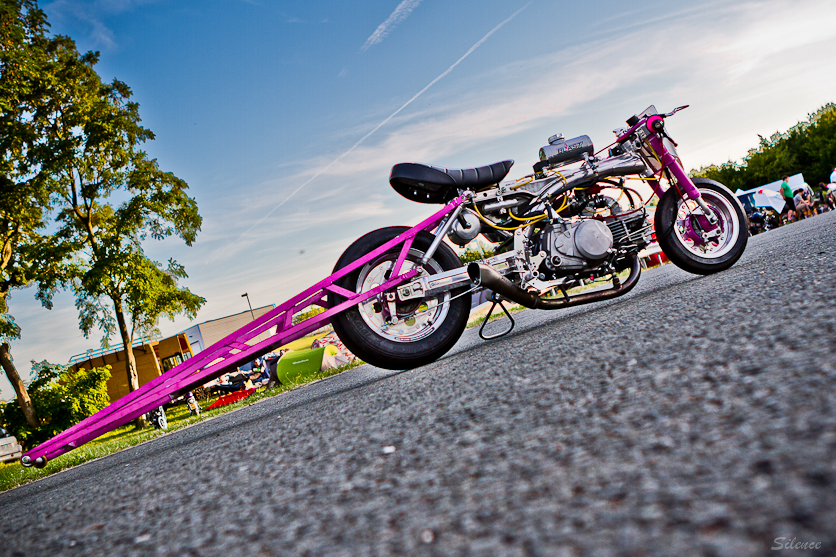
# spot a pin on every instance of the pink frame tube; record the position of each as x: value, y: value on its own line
x: 238, y: 347
x: 687, y: 187
x: 689, y: 190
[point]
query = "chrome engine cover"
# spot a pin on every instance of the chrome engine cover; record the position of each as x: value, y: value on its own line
x: 575, y: 246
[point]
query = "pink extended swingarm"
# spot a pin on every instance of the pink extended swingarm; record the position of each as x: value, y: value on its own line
x: 237, y: 348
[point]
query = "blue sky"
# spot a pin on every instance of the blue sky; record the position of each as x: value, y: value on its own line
x: 285, y: 117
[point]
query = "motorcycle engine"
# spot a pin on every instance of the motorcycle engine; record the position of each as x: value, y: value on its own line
x: 631, y: 229
x: 583, y: 245
x: 574, y: 246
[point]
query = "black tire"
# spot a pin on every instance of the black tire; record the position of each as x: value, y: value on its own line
x: 358, y: 331
x: 673, y: 229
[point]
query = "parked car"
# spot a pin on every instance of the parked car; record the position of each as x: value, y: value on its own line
x: 10, y: 449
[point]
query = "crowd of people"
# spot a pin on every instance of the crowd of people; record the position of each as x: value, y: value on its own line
x: 256, y: 376
x: 801, y: 203
x: 261, y: 373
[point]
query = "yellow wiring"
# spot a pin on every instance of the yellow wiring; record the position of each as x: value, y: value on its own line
x: 565, y: 203
x: 652, y: 150
x: 520, y: 184
x: 617, y: 200
x: 565, y: 197
x: 562, y: 177
x: 489, y: 223
x: 655, y: 155
x: 528, y: 220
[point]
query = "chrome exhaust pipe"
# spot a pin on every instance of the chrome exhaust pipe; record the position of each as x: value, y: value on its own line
x: 488, y: 277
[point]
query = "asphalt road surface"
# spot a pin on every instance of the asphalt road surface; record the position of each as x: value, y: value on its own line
x: 695, y: 416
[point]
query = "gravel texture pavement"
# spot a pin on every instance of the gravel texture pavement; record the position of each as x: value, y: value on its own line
x: 695, y: 416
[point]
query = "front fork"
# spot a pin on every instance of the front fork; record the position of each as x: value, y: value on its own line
x: 684, y: 184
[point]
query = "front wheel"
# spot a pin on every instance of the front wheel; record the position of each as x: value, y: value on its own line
x: 689, y: 241
x: 422, y: 330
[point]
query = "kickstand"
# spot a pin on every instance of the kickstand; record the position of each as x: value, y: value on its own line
x: 497, y: 301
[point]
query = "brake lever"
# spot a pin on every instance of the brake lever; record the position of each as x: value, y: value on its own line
x: 675, y: 110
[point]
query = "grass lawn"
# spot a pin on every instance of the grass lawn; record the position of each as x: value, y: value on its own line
x: 13, y: 475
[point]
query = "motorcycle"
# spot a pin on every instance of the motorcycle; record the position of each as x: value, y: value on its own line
x: 575, y: 217
x: 400, y: 297
x: 157, y: 418
x: 760, y: 220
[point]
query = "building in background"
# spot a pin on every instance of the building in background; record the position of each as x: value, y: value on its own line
x: 156, y: 356
x: 204, y: 335
x: 152, y: 358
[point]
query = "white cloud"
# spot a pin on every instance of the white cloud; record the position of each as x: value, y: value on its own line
x: 772, y: 28
x: 463, y: 118
x: 401, y: 13
x: 334, y: 161
x: 715, y: 59
x: 92, y: 13
x: 589, y: 88
x: 746, y: 69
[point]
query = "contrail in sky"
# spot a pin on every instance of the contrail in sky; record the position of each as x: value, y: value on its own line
x: 401, y: 13
x: 365, y: 137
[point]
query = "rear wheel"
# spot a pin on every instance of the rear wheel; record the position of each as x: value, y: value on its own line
x: 690, y: 241
x: 422, y: 330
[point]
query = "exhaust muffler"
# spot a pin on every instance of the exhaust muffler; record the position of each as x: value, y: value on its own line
x: 488, y: 277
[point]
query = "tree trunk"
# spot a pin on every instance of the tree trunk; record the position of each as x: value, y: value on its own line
x: 130, y: 360
x: 22, y: 396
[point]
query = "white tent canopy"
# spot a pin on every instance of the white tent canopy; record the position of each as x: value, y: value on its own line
x: 769, y: 195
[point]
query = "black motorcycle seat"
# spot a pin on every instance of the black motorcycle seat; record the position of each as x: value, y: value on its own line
x: 432, y: 184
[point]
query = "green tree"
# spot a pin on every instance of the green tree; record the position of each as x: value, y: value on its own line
x: 808, y: 147
x: 110, y: 197
x: 62, y: 398
x: 27, y: 65
x: 311, y: 311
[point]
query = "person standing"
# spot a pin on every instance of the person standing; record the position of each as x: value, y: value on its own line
x: 833, y: 176
x: 786, y: 191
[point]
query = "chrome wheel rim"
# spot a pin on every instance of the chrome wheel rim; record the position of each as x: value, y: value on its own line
x: 416, y: 319
x: 688, y: 226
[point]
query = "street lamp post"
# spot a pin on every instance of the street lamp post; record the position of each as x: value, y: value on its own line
x: 245, y: 295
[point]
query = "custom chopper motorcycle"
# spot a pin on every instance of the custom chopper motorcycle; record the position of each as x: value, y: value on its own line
x: 399, y: 297
x: 576, y: 217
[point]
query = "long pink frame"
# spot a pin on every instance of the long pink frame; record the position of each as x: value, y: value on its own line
x: 234, y: 350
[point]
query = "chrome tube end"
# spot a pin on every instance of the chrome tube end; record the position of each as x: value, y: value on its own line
x: 27, y: 462
x: 475, y: 273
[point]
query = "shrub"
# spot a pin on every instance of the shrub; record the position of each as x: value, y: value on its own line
x: 475, y: 252
x: 61, y: 399
x: 307, y: 314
